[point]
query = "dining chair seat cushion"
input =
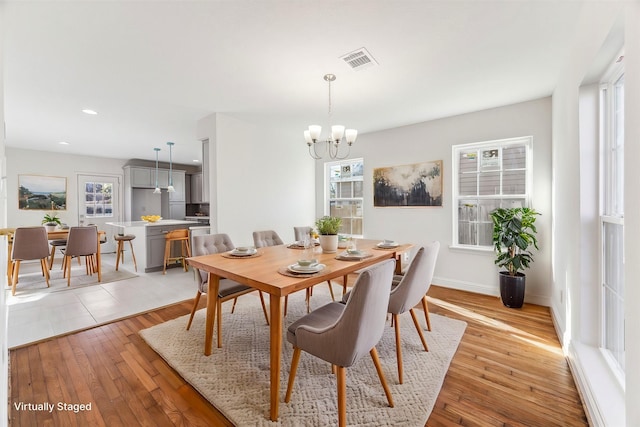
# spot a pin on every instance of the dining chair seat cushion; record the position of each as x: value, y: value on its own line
x: 230, y: 287
x: 319, y: 319
x: 58, y: 242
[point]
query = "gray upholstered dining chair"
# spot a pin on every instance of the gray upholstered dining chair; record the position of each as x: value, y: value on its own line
x: 29, y: 243
x: 82, y: 242
x: 262, y: 239
x: 410, y: 289
x: 212, y: 244
x: 342, y: 333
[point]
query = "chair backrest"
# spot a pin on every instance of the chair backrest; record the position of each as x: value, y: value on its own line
x: 361, y: 324
x: 416, y: 281
x: 301, y: 232
x: 181, y: 233
x: 82, y: 241
x: 266, y: 238
x: 206, y: 244
x: 30, y: 243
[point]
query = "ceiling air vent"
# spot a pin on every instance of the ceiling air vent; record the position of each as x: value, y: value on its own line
x: 359, y: 59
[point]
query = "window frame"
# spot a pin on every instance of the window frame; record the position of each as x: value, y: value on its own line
x: 327, y: 191
x: 611, y: 214
x: 499, y: 144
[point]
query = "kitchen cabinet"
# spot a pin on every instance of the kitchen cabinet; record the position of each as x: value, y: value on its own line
x: 196, y: 188
x: 141, y: 178
x: 178, y: 178
x: 177, y: 210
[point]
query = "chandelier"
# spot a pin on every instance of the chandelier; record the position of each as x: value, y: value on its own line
x: 332, y: 143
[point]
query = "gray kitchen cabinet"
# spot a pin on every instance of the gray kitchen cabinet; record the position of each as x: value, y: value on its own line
x: 178, y: 184
x: 141, y: 177
x: 196, y: 188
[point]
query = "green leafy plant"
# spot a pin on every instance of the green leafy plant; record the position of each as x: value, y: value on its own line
x: 51, y: 219
x: 514, y: 232
x: 328, y: 225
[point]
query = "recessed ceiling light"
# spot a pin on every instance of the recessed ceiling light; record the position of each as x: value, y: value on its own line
x: 196, y: 161
x: 87, y: 111
x: 63, y: 143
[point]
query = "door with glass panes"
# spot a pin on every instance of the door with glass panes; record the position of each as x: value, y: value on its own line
x: 98, y: 203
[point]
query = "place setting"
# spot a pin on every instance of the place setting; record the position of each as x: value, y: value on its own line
x: 387, y: 245
x: 303, y: 267
x: 352, y: 253
x: 242, y: 252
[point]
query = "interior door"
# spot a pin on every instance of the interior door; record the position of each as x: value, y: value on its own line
x: 99, y: 203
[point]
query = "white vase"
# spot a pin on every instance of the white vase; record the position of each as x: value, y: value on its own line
x: 50, y: 228
x: 329, y: 243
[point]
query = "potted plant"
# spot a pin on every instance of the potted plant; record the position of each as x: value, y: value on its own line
x: 51, y: 221
x: 514, y: 232
x: 328, y: 227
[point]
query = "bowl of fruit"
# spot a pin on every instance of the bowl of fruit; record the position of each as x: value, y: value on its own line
x: 151, y: 218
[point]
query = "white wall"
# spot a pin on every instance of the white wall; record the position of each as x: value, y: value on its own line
x: 456, y: 268
x: 264, y: 178
x: 51, y: 164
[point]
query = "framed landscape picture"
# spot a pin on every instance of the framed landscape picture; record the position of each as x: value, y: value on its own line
x: 417, y: 185
x: 37, y: 192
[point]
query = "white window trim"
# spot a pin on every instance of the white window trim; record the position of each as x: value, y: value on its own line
x: 327, y: 192
x: 528, y: 140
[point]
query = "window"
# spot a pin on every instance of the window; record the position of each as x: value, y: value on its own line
x: 486, y: 176
x: 345, y: 194
x: 612, y: 219
x: 98, y: 198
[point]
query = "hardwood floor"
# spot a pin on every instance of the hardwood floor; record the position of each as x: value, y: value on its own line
x: 508, y: 370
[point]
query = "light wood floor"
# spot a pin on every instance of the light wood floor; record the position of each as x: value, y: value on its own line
x: 508, y: 370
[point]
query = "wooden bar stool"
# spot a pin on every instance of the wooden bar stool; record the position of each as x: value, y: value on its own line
x: 182, y: 236
x: 120, y: 250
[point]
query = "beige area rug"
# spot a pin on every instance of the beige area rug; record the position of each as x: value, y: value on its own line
x: 235, y: 378
x: 31, y: 281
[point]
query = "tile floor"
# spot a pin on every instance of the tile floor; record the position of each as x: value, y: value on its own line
x: 49, y: 314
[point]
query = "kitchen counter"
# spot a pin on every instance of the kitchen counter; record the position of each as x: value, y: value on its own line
x: 124, y: 224
x: 150, y: 242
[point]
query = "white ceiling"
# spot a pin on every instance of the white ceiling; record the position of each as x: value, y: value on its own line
x: 153, y: 69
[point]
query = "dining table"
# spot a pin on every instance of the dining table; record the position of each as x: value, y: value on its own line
x: 267, y: 271
x: 53, y: 235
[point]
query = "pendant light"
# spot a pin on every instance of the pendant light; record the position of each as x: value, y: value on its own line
x: 157, y: 190
x: 170, y: 188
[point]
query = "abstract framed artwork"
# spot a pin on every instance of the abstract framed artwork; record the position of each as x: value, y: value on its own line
x: 414, y: 185
x: 38, y: 192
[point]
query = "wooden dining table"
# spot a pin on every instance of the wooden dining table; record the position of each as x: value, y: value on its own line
x: 264, y: 272
x: 54, y: 235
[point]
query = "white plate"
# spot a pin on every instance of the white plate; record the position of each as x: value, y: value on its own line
x: 388, y: 245
x: 308, y: 269
x: 250, y: 252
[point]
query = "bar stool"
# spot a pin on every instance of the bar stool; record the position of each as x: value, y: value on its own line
x: 182, y: 236
x: 120, y: 250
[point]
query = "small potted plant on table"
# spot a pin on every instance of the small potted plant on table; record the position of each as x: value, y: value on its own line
x: 51, y: 221
x: 328, y: 228
x: 513, y: 232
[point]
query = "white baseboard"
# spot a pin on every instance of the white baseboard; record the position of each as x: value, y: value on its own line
x: 484, y: 289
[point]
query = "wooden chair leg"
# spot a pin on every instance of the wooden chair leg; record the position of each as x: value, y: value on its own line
x: 383, y: 381
x: 233, y: 307
x: 184, y: 248
x: 425, y: 307
x: 193, y: 310
x: 68, y: 269
x: 396, y: 322
x: 167, y: 253
x: 119, y: 253
x: 53, y: 254
x: 45, y: 270
x: 14, y: 276
x: 264, y: 307
x: 133, y: 255
x: 341, y: 377
x: 333, y: 298
x: 292, y: 373
x: 419, y: 329
x: 219, y: 315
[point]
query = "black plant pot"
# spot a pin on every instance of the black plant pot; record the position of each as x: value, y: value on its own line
x: 512, y: 289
